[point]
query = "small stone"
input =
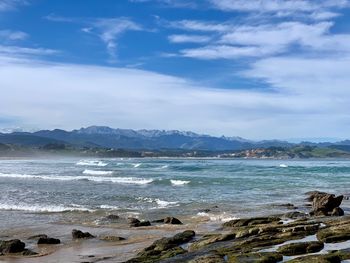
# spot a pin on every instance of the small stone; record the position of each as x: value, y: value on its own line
x: 48, y: 241
x: 172, y: 221
x: 111, y: 238
x: 77, y: 234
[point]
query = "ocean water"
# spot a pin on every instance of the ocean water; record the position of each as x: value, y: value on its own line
x: 61, y: 189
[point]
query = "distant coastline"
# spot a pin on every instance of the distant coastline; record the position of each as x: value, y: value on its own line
x: 101, y: 141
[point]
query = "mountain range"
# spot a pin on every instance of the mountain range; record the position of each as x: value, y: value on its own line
x: 106, y: 137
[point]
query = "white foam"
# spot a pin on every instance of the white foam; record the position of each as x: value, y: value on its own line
x: 38, y: 208
x: 93, y: 172
x: 160, y: 203
x: 179, y: 182
x: 137, y: 165
x: 120, y: 180
x: 110, y: 207
x: 283, y: 165
x: 224, y: 217
x: 91, y: 163
x: 164, y: 204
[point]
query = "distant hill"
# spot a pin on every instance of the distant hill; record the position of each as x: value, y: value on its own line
x: 128, y: 139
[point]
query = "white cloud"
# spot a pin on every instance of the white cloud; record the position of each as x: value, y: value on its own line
x: 69, y: 96
x: 324, y: 15
x: 170, y: 3
x: 188, y: 38
x: 271, y: 39
x: 9, y: 5
x: 196, y: 25
x: 278, y: 5
x: 12, y: 52
x: 13, y: 35
x: 276, y: 35
x: 110, y: 29
x: 229, y: 52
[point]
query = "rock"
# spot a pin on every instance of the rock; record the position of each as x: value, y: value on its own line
x: 262, y: 257
x: 111, y: 238
x: 164, y: 248
x: 337, y: 212
x: 251, y: 221
x: 294, y: 215
x: 167, y: 243
x: 36, y: 237
x: 169, y: 220
x: 172, y: 221
x: 334, y: 234
x: 209, y: 239
x: 77, y: 234
x: 208, y: 259
x: 12, y: 246
x: 28, y: 252
x: 140, y: 223
x: 48, y: 241
x: 300, y: 248
x: 316, y: 259
x: 323, y: 203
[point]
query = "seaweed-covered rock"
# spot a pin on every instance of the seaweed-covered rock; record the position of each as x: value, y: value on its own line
x: 164, y: 248
x: 334, y: 234
x: 77, y: 234
x: 210, y: 239
x: 170, y: 242
x: 294, y: 215
x: 211, y: 258
x: 317, y: 259
x: 251, y: 221
x: 300, y: 248
x: 12, y: 246
x: 111, y: 238
x: 262, y: 257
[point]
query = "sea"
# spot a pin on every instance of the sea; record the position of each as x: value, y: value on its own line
x: 72, y: 190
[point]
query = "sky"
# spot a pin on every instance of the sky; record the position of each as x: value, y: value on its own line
x: 259, y: 69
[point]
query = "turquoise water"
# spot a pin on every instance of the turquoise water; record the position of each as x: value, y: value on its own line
x: 154, y: 187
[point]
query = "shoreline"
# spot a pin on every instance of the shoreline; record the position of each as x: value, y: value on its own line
x: 232, y: 241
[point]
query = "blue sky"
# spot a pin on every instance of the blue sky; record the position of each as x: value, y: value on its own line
x: 256, y: 69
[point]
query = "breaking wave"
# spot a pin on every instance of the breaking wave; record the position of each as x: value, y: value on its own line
x: 120, y: 180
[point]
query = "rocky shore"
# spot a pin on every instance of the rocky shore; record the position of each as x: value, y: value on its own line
x: 322, y: 235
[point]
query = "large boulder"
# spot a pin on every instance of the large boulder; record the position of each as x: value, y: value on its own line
x: 12, y: 246
x: 134, y: 222
x: 323, y: 204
